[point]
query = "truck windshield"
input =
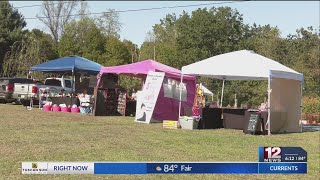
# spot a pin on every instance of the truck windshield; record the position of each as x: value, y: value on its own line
x: 67, y: 83
x: 53, y: 82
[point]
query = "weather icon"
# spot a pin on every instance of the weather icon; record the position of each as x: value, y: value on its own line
x: 158, y: 168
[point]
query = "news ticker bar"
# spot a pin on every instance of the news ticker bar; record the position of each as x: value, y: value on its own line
x: 163, y: 168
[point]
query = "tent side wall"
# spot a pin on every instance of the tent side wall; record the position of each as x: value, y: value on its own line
x: 285, y: 110
x: 167, y: 108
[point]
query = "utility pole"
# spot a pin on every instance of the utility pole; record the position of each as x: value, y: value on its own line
x: 135, y: 51
x: 82, y: 9
x: 154, y: 52
x: 139, y: 54
x: 131, y: 57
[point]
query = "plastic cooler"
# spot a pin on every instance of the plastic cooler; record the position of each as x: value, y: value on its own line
x: 189, y: 122
x: 85, y: 110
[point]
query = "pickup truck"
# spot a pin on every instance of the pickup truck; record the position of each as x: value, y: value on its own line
x: 7, y: 88
x: 24, y: 92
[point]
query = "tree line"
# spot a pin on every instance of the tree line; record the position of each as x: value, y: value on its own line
x: 187, y: 38
x: 177, y: 40
x: 95, y: 38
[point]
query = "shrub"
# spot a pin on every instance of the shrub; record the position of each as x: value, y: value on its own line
x: 311, y: 105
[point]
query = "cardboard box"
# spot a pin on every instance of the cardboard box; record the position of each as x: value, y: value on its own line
x: 168, y: 124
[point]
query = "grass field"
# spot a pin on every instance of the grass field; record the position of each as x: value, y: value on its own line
x: 42, y: 136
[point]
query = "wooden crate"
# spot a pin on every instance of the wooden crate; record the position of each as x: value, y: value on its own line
x: 170, y: 124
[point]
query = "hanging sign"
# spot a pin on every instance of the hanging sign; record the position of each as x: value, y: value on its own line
x: 93, y: 81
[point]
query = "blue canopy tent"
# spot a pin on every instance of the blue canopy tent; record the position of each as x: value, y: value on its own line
x: 69, y: 64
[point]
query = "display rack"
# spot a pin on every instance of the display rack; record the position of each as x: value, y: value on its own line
x: 110, y: 103
x: 115, y: 102
x: 122, y: 101
x: 43, y: 95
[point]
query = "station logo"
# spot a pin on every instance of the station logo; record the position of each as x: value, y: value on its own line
x: 272, y: 154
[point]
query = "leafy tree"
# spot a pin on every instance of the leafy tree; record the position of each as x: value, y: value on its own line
x: 127, y: 82
x: 109, y: 23
x: 116, y: 53
x: 130, y: 83
x: 47, y: 45
x: 190, y: 38
x: 11, y: 28
x: 304, y: 53
x: 85, y: 39
x: 208, y: 33
x: 299, y: 51
x: 160, y: 45
x: 264, y: 40
x: 56, y: 15
x: 36, y: 48
x: 146, y: 51
x: 84, y: 9
x: 82, y: 38
x: 166, y: 41
x: 133, y: 49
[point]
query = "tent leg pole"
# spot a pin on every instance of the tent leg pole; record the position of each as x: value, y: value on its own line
x: 72, y: 89
x: 269, y: 109
x: 222, y: 93
x: 301, y: 87
x: 180, y: 96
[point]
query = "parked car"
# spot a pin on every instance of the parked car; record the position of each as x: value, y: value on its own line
x: 7, y: 88
x: 24, y: 92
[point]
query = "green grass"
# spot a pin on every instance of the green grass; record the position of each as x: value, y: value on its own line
x: 49, y: 136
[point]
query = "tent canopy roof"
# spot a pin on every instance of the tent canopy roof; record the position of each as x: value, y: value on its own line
x: 67, y: 64
x: 142, y: 68
x: 206, y: 91
x: 241, y: 65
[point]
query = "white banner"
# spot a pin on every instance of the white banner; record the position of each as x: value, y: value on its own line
x: 71, y: 168
x: 148, y: 97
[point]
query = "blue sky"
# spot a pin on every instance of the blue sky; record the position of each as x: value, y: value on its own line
x: 286, y: 15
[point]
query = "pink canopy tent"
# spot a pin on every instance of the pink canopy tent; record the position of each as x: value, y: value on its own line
x: 166, y: 108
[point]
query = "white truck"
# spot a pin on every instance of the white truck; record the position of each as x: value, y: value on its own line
x: 23, y: 93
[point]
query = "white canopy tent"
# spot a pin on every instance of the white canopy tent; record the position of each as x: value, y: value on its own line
x: 284, y: 84
x: 206, y: 91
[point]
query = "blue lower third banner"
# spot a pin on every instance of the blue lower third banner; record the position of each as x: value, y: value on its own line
x: 175, y: 168
x: 202, y: 168
x: 282, y: 168
x: 120, y: 168
x: 163, y: 168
